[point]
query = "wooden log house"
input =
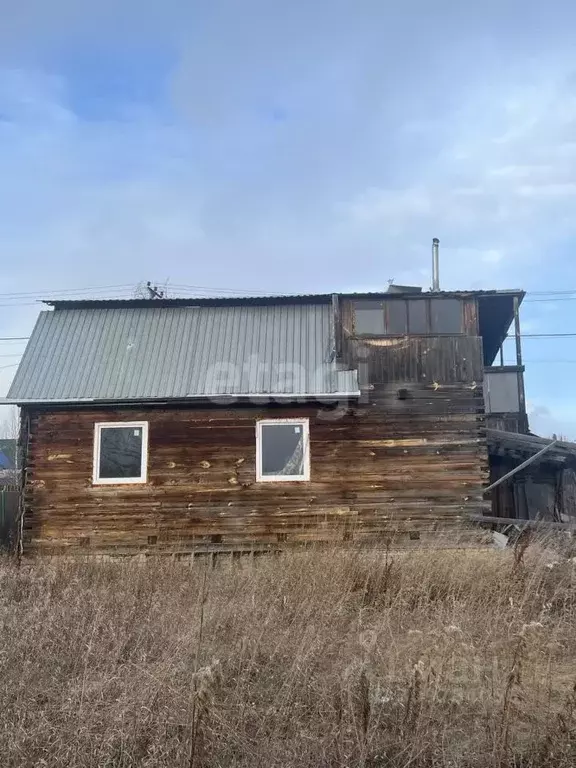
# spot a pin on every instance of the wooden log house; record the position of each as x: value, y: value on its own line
x: 182, y: 425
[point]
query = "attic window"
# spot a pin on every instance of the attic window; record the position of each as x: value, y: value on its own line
x: 120, y: 452
x: 282, y: 450
x: 446, y: 315
x: 415, y: 317
x: 396, y: 317
x: 369, y: 318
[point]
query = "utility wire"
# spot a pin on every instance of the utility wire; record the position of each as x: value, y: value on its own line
x: 544, y: 296
x: 554, y: 299
x: 543, y: 336
x: 236, y: 292
x: 563, y: 292
x: 53, y: 291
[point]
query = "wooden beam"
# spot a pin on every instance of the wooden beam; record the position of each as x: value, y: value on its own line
x: 522, y: 523
x: 524, y: 464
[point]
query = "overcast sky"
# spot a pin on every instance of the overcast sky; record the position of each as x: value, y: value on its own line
x: 292, y: 147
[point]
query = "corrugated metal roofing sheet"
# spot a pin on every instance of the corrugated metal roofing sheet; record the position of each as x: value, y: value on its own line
x: 132, y: 353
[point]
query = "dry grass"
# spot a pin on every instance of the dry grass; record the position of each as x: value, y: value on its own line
x: 309, y: 659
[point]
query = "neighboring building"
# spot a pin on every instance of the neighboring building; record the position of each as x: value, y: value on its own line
x: 545, y: 490
x: 183, y: 424
x: 8, y: 453
x: 8, y: 473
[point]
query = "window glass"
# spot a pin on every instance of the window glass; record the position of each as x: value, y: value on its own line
x: 283, y: 450
x: 396, y: 317
x: 369, y: 318
x: 120, y: 452
x: 417, y: 320
x: 446, y: 315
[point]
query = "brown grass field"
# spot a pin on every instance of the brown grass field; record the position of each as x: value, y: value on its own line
x: 311, y: 658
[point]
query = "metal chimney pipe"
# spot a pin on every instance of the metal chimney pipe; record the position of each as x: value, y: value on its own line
x: 435, y: 265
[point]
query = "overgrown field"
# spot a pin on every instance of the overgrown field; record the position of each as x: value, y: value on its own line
x: 327, y: 658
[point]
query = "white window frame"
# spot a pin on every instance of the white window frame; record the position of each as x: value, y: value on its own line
x: 261, y: 478
x: 98, y: 427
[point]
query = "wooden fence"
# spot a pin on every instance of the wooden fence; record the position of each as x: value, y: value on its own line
x: 9, y: 498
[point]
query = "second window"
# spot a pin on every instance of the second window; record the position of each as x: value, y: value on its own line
x: 282, y: 450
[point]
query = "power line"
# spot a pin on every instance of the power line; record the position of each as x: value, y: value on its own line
x: 196, y: 289
x: 563, y: 292
x: 128, y: 287
x: 544, y: 335
x: 236, y: 291
x: 38, y: 302
x: 189, y: 287
x: 555, y: 299
x: 53, y: 291
x: 14, y: 338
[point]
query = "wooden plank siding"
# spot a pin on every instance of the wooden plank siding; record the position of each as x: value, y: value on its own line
x: 419, y: 467
x: 411, y: 456
x: 470, y: 314
x: 444, y: 360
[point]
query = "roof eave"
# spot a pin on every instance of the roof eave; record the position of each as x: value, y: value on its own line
x: 219, y: 301
x: 217, y: 399
x: 502, y: 443
x: 203, y: 301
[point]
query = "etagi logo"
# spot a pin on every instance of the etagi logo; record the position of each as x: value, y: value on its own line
x: 255, y: 381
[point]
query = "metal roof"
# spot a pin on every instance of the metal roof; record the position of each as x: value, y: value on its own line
x: 157, y: 352
x: 272, y: 300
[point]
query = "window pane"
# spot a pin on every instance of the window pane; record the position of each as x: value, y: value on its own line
x: 417, y: 321
x: 369, y: 318
x: 396, y: 315
x: 120, y: 452
x: 282, y: 449
x: 446, y: 316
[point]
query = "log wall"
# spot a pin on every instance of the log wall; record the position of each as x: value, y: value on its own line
x: 418, y: 468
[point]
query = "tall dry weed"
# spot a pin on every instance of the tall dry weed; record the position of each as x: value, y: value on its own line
x: 312, y: 658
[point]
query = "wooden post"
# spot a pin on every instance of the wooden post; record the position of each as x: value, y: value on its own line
x: 517, y: 331
x: 337, y: 323
x: 22, y: 465
x: 520, y: 373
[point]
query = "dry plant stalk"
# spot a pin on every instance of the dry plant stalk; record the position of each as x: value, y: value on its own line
x: 459, y: 659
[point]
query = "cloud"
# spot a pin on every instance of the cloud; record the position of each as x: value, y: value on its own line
x: 287, y: 146
x: 93, y: 188
x: 559, y: 420
x: 501, y: 181
x: 33, y: 28
x: 86, y: 203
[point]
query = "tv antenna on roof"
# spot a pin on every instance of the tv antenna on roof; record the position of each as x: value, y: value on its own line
x: 153, y: 292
